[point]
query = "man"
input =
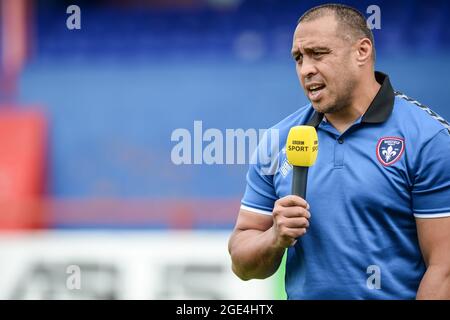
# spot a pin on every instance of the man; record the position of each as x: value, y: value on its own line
x: 377, y: 221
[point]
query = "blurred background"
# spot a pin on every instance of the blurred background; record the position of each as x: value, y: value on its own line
x: 87, y: 184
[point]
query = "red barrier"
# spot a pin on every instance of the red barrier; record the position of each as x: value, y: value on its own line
x: 181, y: 214
x: 22, y: 165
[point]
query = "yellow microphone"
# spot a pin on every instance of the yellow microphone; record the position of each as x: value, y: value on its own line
x: 302, y: 147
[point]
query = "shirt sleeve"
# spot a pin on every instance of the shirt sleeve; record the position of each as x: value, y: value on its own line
x: 431, y: 189
x: 260, y: 195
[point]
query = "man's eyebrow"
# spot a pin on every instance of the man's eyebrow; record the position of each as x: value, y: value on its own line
x: 317, y: 48
x: 296, y: 52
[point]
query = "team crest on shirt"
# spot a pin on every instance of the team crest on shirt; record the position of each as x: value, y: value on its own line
x: 390, y: 150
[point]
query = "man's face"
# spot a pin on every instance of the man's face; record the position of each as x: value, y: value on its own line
x: 324, y: 64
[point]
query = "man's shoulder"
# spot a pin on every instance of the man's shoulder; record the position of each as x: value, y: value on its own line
x: 417, y: 116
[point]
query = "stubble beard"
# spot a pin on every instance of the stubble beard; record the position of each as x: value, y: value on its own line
x: 339, y: 103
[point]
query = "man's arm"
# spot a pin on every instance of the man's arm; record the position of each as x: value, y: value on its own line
x: 253, y: 254
x: 258, y: 241
x: 434, y: 239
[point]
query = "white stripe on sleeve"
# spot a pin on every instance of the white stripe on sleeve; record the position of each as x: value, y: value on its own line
x: 257, y: 210
x: 432, y: 215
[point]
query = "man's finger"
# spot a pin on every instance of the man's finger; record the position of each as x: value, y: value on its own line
x: 293, y: 212
x: 292, y: 200
x: 294, y: 233
x: 297, y: 223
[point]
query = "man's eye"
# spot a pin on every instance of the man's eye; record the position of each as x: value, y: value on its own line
x: 318, y: 54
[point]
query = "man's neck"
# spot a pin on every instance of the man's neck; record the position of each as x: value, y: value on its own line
x: 343, y: 119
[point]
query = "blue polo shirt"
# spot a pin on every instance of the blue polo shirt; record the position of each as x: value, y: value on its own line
x: 368, y: 186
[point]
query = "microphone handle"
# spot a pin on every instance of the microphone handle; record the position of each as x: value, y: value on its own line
x: 299, y: 180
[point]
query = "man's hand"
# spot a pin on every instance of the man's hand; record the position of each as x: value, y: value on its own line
x: 259, y: 241
x: 290, y: 220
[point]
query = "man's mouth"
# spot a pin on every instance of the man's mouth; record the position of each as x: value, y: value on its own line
x: 315, y: 91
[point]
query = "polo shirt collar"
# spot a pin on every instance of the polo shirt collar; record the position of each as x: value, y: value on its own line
x: 379, y: 110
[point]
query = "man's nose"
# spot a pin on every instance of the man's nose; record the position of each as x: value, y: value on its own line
x: 307, y: 68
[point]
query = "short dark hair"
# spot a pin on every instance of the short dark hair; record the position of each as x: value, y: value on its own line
x: 348, y: 17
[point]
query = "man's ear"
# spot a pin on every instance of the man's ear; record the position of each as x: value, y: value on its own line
x: 364, y: 51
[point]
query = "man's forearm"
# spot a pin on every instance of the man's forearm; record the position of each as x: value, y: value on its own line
x: 435, y: 284
x: 254, y: 255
